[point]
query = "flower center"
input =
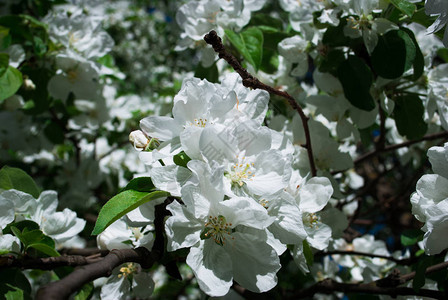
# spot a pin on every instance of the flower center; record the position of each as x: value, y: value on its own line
x: 311, y: 220
x: 72, y: 75
x: 241, y: 171
x: 364, y: 22
x: 128, y: 270
x: 217, y: 228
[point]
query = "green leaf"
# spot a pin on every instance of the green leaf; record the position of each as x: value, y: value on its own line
x: 308, y: 253
x: 253, y: 39
x: 331, y: 61
x: 85, y: 292
x: 29, y: 225
x: 10, y: 82
x: 4, y: 62
x: 5, y: 38
x: 263, y: 21
x: 50, y: 251
x: 411, y: 237
x: 443, y: 54
x: 181, y: 159
x: 13, y: 178
x: 419, y: 61
x: 394, y: 54
x: 140, y: 184
x: 408, y: 115
x: 249, y: 44
x: 121, y: 204
x: 14, y: 294
x: 419, y: 278
x: 356, y: 79
x: 404, y: 6
x: 211, y: 73
x: 13, y: 283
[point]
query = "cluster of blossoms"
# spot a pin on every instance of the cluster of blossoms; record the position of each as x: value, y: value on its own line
x: 242, y: 200
x: 63, y: 226
x: 235, y: 162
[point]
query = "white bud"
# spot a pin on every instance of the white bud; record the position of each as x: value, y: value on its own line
x: 138, y: 139
x: 28, y: 84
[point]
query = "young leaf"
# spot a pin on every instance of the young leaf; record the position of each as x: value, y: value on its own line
x: 408, y: 115
x: 356, y: 79
x: 419, y: 61
x: 181, y: 159
x: 411, y: 237
x: 10, y: 82
x: 13, y: 178
x: 253, y: 39
x: 120, y: 205
x: 45, y: 249
x: 404, y: 6
x: 249, y: 43
x: 140, y: 184
x: 85, y: 292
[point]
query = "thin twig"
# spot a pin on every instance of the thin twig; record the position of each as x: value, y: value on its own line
x: 373, y: 153
x: 405, y: 261
x: 251, y: 81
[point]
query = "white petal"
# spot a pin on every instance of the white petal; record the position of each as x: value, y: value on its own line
x: 182, y: 228
x: 159, y: 127
x: 212, y: 267
x: 170, y: 178
x: 255, y: 263
x: 314, y: 195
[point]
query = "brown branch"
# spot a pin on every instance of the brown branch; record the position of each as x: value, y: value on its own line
x: 63, y: 288
x: 251, y: 81
x: 385, y: 286
x: 405, y: 261
x: 83, y: 251
x: 48, y: 263
x: 373, y: 153
x: 431, y: 269
x: 329, y: 286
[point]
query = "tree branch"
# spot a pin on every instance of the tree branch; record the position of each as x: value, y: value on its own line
x: 48, y: 263
x: 251, y: 81
x: 63, y: 288
x: 429, y: 137
x: 405, y: 261
x: 329, y: 286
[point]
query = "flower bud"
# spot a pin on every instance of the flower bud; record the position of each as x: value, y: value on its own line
x: 139, y: 140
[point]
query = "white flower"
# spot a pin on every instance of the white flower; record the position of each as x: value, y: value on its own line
x: 77, y: 75
x: 251, y: 166
x: 60, y: 225
x: 366, y: 25
x: 9, y: 244
x: 80, y: 33
x: 120, y: 236
x: 294, y: 50
x: 438, y: 8
x: 430, y: 201
x: 198, y: 105
x: 128, y: 281
x: 227, y: 238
